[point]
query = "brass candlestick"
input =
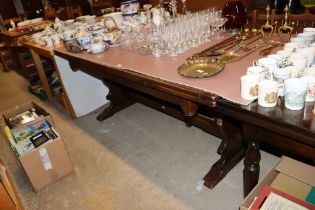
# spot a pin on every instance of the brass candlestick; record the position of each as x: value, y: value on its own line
x: 285, y: 27
x: 267, y: 26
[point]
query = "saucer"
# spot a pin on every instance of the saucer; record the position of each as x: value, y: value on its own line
x: 98, y: 51
x: 114, y: 45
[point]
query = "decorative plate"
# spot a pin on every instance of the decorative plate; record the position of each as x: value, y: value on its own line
x: 200, y: 68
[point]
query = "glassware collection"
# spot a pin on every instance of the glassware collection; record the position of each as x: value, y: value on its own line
x: 159, y: 31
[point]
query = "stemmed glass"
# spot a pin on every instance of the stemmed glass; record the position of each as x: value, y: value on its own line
x: 184, y: 8
x: 217, y: 24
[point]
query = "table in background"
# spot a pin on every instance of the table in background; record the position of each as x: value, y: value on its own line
x: 290, y: 132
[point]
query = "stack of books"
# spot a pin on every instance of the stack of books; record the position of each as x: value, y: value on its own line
x: 29, y: 131
x: 284, y: 193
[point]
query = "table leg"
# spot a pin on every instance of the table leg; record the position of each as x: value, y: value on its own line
x: 231, y: 149
x: 118, y: 101
x: 252, y: 158
x: 41, y: 73
x: 190, y: 110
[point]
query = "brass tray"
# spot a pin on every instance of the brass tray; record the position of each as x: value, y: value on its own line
x: 200, y: 68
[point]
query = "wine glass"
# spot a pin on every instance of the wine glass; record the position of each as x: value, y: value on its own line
x: 217, y: 24
x: 184, y: 8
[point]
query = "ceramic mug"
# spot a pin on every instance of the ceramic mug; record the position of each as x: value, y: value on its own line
x: 268, y: 93
x: 298, y: 60
x: 249, y: 86
x: 308, y: 37
x: 310, y: 95
x: 257, y: 70
x: 281, y: 60
x: 291, y: 46
x: 309, y: 71
x: 269, y: 64
x: 295, y: 90
x: 309, y: 52
x: 280, y: 75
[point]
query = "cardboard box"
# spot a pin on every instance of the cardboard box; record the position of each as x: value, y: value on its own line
x: 46, y: 163
x: 288, y: 167
x: 22, y: 108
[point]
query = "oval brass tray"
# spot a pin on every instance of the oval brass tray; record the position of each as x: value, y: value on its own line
x: 200, y: 68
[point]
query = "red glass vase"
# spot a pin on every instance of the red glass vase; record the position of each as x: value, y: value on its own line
x: 236, y: 14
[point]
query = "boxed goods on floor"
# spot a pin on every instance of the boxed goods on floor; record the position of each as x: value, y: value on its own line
x: 38, y: 146
x: 289, y: 185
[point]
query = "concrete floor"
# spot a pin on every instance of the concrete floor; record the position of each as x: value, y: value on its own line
x: 137, y: 159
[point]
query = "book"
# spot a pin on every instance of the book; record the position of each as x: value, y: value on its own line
x: 23, y: 118
x: 272, y: 199
x: 28, y: 137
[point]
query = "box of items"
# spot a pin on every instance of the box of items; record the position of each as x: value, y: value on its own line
x: 38, y: 146
x: 290, y: 184
x: 24, y: 113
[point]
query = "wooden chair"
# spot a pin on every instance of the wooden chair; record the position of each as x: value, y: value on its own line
x: 74, y: 12
x: 8, y: 196
x: 5, y: 24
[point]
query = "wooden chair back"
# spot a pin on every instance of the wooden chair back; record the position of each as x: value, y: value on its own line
x: 74, y: 12
x: 258, y: 18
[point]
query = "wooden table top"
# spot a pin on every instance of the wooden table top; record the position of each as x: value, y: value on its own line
x: 225, y: 84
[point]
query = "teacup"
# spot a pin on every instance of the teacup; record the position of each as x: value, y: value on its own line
x: 85, y: 41
x: 68, y: 35
x: 96, y: 46
x: 295, y: 90
x: 249, y: 86
x: 268, y: 93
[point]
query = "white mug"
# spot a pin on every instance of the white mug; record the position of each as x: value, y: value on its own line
x: 268, y: 93
x: 298, y: 60
x: 257, y: 70
x: 295, y: 90
x: 249, y: 86
x: 310, y: 95
x: 280, y: 75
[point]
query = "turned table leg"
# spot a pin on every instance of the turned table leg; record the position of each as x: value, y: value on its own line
x: 252, y: 158
x: 190, y: 110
